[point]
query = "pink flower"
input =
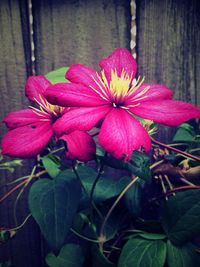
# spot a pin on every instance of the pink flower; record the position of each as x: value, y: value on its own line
x: 31, y: 129
x: 112, y: 98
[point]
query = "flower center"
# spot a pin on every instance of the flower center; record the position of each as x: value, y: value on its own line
x: 46, y: 108
x: 119, y: 87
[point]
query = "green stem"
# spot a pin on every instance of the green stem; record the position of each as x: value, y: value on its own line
x: 176, y: 150
x: 84, y: 237
x: 95, y: 182
x: 102, y: 230
x: 92, y: 204
x: 78, y: 177
x: 21, y: 192
x: 21, y: 225
x: 56, y: 150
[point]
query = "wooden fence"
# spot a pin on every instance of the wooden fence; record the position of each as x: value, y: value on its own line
x: 39, y: 36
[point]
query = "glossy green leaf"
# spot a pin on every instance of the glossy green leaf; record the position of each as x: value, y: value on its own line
x: 184, y: 256
x: 71, y: 255
x: 57, y: 76
x: 105, y: 188
x: 53, y: 204
x: 181, y: 216
x: 185, y: 132
x: 139, y: 252
x: 138, y: 165
x: 152, y: 236
x: 52, y: 164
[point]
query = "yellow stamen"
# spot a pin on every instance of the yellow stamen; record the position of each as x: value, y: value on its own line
x: 136, y: 86
x: 120, y: 85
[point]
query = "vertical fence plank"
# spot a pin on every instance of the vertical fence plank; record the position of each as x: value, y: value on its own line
x: 78, y: 31
x: 23, y: 249
x: 168, y: 46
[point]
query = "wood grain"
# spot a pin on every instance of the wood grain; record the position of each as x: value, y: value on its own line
x: 24, y: 249
x: 168, y: 47
x: 78, y: 31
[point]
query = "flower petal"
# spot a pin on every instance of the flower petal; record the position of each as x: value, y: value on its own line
x: 23, y: 117
x: 121, y: 133
x: 149, y: 92
x: 168, y: 112
x: 80, y: 146
x: 79, y: 73
x: 82, y: 119
x: 27, y: 141
x: 35, y: 87
x: 73, y: 95
x: 120, y: 59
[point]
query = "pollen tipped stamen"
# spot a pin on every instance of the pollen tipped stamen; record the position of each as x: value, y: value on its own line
x: 47, y: 108
x: 38, y: 112
x: 140, y: 96
x: 119, y: 85
x: 134, y: 87
x: 103, y: 94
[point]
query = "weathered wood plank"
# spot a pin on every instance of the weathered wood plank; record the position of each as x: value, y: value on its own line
x: 23, y: 250
x: 80, y: 31
x: 168, y: 46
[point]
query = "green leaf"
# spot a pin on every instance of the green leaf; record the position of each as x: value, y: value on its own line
x: 139, y: 164
x: 53, y: 204
x: 71, y: 255
x: 57, y: 76
x: 132, y: 199
x: 181, y: 216
x: 51, y: 164
x: 98, y: 259
x: 152, y: 236
x: 105, y: 188
x: 140, y: 252
x: 185, y: 132
x: 184, y: 256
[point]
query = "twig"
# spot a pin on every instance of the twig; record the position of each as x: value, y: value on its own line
x: 175, y: 149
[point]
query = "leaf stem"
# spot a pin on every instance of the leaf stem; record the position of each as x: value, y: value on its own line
x: 21, y: 184
x: 84, y: 237
x: 22, y: 224
x: 95, y: 182
x: 78, y: 177
x: 175, y: 149
x: 102, y: 230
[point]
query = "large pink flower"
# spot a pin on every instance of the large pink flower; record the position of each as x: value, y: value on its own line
x: 31, y: 129
x: 112, y: 98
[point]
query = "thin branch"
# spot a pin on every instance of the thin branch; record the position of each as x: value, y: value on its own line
x: 102, y: 230
x: 188, y: 155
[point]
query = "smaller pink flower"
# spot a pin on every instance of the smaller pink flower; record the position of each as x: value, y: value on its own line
x: 31, y: 129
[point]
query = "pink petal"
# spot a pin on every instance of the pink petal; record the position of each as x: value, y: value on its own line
x: 82, y: 119
x: 27, y: 141
x: 168, y: 112
x: 23, y: 117
x: 82, y: 74
x: 121, y: 133
x: 149, y: 92
x: 73, y: 95
x: 35, y: 87
x: 120, y: 59
x: 80, y: 146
